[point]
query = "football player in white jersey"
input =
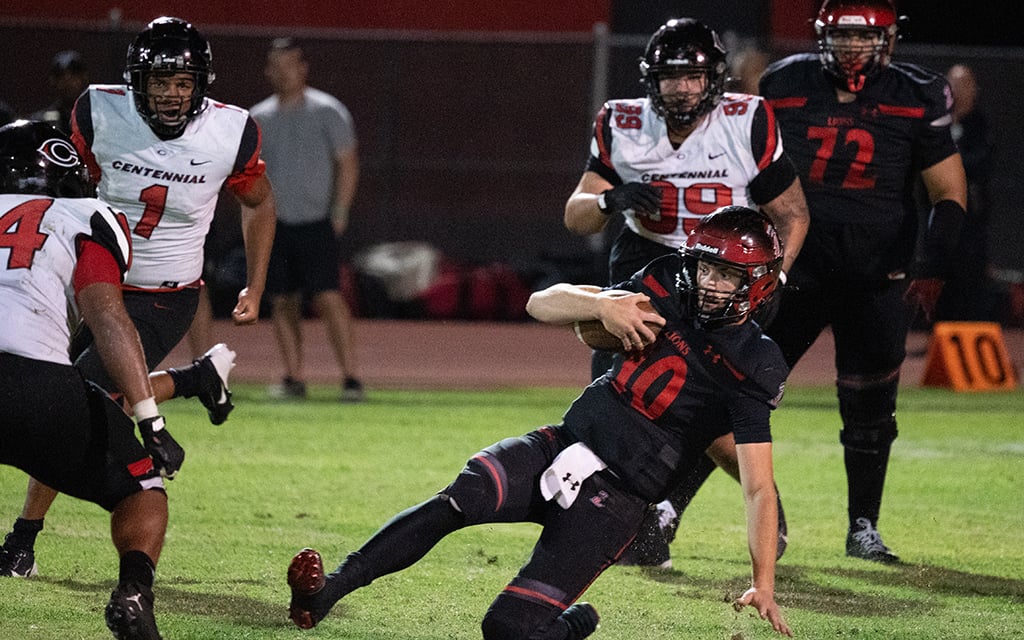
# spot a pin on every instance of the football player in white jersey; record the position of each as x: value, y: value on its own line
x: 665, y: 161
x: 64, y: 254
x: 161, y: 150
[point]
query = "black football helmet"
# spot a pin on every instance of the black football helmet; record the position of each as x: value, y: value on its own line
x: 850, y: 65
x: 736, y: 237
x: 169, y: 45
x: 37, y: 159
x: 684, y: 44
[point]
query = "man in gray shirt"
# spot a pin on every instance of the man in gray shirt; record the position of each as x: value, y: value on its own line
x: 310, y: 148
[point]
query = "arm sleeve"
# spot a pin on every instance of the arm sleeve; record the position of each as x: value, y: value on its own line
x: 95, y: 264
x: 600, y: 161
x: 249, y: 167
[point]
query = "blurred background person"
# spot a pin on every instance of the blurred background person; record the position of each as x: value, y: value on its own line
x: 68, y: 78
x: 745, y: 69
x: 310, y: 147
x: 969, y: 294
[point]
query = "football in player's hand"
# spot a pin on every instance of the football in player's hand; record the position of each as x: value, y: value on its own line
x: 593, y: 334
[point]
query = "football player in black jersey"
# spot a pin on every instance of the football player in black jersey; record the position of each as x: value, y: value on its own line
x: 861, y: 130
x: 622, y: 444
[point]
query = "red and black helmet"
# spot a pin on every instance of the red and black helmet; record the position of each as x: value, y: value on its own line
x: 38, y: 159
x: 850, y: 66
x: 739, y: 238
x: 684, y: 44
x: 168, y: 45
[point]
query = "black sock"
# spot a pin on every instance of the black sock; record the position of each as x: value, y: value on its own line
x: 136, y: 567
x: 397, y: 545
x: 186, y: 381
x: 865, y: 476
x: 23, y: 534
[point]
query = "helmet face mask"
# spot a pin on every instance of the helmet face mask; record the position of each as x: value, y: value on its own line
x: 856, y: 39
x: 731, y: 265
x: 158, y: 61
x: 683, y: 49
x: 37, y: 159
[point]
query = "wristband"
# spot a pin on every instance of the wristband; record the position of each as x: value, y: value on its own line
x: 782, y: 278
x: 601, y: 204
x: 145, y: 409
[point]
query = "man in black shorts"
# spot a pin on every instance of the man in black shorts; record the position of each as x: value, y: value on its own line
x: 622, y: 445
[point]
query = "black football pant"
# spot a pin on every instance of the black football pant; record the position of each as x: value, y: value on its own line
x: 501, y: 484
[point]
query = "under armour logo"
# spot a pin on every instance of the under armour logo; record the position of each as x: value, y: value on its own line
x: 573, y: 485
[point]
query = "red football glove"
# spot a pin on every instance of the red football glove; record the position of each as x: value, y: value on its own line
x: 925, y: 292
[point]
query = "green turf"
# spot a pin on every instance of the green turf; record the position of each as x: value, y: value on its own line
x: 280, y: 476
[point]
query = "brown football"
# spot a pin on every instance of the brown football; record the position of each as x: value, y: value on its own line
x: 593, y: 334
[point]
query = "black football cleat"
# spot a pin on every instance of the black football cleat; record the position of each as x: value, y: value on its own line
x: 129, y: 614
x: 863, y: 541
x: 582, y: 620
x: 214, y: 367
x: 15, y: 562
x: 306, y: 579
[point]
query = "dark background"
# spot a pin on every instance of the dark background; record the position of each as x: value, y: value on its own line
x: 474, y: 125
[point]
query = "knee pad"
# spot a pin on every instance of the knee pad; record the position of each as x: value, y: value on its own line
x: 868, y: 409
x: 512, y: 618
x: 473, y: 493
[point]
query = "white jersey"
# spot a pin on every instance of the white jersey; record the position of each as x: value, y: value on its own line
x: 37, y: 262
x: 167, y: 188
x: 712, y: 168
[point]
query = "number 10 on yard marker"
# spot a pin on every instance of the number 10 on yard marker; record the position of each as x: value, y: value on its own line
x: 968, y: 356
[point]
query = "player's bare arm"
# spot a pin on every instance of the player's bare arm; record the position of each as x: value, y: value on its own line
x: 789, y: 212
x: 582, y: 214
x: 946, y: 180
x: 756, y: 478
x: 259, y: 221
x: 617, y: 310
x: 116, y: 339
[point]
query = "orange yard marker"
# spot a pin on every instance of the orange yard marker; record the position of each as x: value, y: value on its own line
x: 968, y: 356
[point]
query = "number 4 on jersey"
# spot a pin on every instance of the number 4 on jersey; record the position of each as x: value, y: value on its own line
x: 19, y: 232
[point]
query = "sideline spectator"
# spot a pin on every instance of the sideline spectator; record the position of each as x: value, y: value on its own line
x: 310, y: 146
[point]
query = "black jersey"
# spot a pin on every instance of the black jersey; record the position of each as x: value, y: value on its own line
x: 680, y: 393
x: 858, y: 161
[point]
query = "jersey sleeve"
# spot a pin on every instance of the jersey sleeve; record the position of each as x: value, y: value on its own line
x: 95, y: 264
x: 600, y: 161
x: 935, y: 140
x: 109, y: 229
x: 82, y: 134
x: 750, y: 419
x: 249, y: 166
x: 775, y: 170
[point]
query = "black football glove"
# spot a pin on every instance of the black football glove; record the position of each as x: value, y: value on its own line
x: 167, y: 454
x: 641, y: 198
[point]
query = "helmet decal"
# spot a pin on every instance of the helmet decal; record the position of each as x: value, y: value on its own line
x: 60, y: 152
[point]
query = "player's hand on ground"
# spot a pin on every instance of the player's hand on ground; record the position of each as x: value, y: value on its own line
x: 766, y: 608
x: 637, y: 196
x: 167, y: 454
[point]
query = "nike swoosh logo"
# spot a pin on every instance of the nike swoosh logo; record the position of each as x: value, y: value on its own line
x: 714, y: 156
x: 195, y: 163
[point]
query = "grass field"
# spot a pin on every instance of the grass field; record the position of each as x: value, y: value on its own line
x: 280, y: 476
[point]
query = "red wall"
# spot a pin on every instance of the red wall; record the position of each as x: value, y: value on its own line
x: 459, y: 15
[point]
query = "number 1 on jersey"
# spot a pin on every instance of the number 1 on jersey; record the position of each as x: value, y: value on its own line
x: 155, y: 199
